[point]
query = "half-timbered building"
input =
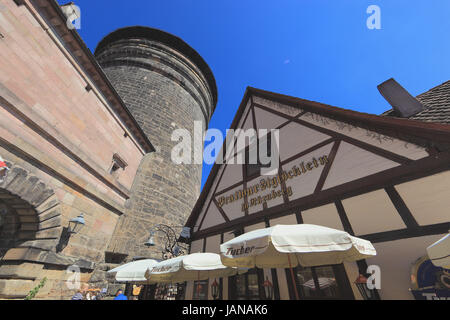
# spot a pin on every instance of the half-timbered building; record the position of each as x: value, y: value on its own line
x: 381, y: 178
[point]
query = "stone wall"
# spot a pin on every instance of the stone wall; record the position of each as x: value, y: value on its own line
x: 37, y: 247
x: 166, y: 86
x: 60, y: 135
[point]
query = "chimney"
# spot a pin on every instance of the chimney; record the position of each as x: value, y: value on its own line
x: 404, y: 104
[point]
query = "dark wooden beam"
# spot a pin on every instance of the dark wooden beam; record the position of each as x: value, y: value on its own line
x: 299, y: 217
x: 215, y: 189
x: 220, y: 210
x: 326, y: 170
x: 363, y: 145
x: 344, y: 218
x: 229, y: 188
x: 401, y: 207
x: 418, y: 169
x: 307, y: 151
x: 435, y: 229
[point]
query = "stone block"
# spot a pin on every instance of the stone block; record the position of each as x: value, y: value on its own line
x: 26, y: 212
x: 43, y: 244
x: 54, y: 212
x: 51, y: 223
x: 49, y: 203
x: 25, y: 270
x: 19, y: 254
x: 49, y: 233
x: 28, y: 219
x: 29, y: 227
x: 16, y: 289
x: 15, y: 177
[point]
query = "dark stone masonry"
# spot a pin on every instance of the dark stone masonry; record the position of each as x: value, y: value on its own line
x: 166, y: 85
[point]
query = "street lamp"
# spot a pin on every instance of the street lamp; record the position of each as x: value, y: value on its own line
x: 76, y: 224
x: 172, y: 247
x: 150, y: 242
x: 268, y: 289
x: 215, y: 289
x: 361, y: 284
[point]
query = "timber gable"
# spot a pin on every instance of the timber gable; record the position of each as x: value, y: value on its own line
x: 363, y: 153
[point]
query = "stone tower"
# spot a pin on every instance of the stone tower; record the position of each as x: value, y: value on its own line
x: 166, y: 85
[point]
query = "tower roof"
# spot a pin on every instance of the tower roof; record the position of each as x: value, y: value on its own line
x: 168, y: 39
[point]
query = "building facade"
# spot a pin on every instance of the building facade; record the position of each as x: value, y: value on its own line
x: 75, y: 134
x: 71, y: 146
x: 384, y: 179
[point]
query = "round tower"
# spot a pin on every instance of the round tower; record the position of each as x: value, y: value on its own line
x: 166, y: 85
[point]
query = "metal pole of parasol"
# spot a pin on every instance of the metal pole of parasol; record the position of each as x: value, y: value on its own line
x: 292, y: 276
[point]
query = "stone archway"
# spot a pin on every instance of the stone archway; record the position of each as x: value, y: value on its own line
x: 32, y: 210
x: 30, y: 229
x: 9, y: 226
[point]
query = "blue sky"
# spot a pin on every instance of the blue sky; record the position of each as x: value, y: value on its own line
x: 319, y: 50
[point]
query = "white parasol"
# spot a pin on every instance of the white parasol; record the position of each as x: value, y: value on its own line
x: 195, y: 266
x: 439, y: 252
x: 133, y: 271
x: 287, y: 246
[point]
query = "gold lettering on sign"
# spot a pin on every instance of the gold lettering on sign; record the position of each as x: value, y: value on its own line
x: 269, y: 184
x: 270, y: 196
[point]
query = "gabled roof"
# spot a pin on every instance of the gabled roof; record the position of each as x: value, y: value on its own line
x: 429, y: 134
x: 437, y: 104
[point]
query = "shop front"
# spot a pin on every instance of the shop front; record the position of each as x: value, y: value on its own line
x: 324, y: 282
x: 378, y: 178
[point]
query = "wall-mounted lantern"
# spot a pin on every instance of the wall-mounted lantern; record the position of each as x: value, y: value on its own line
x: 151, y: 241
x: 268, y: 289
x: 361, y: 284
x: 76, y: 224
x: 172, y: 247
x: 215, y: 289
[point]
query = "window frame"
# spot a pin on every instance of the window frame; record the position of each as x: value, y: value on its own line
x: 254, y: 170
x: 195, y: 295
x: 343, y: 284
x: 233, y: 290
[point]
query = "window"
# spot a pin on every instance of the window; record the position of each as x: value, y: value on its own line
x: 324, y: 282
x: 318, y: 282
x: 200, y: 290
x: 166, y: 291
x: 114, y: 257
x: 247, y: 286
x: 254, y: 169
x: 253, y: 286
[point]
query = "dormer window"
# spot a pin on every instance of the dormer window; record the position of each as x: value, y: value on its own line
x: 118, y: 165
